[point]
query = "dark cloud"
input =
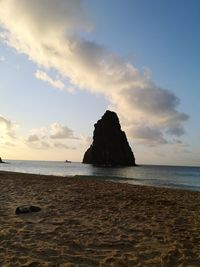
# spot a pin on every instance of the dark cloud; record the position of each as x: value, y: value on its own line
x: 148, y: 134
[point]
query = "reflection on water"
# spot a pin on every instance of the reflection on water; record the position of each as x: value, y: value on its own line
x: 164, y: 176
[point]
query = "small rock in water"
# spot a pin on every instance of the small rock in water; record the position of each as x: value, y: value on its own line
x: 26, y: 209
x: 1, y: 161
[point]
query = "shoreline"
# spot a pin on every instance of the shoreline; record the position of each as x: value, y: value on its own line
x: 183, y: 178
x: 87, y: 222
x: 112, y: 179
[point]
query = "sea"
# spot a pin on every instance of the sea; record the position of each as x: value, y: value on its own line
x: 150, y: 175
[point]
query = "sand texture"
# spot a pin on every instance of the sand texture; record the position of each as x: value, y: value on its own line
x: 84, y: 222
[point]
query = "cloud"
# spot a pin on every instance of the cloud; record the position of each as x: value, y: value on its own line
x: 7, y: 127
x: 41, y: 75
x: 59, y: 131
x: 37, y: 134
x: 47, y: 137
x: 9, y: 144
x: 148, y: 134
x: 86, y: 140
x: 63, y: 146
x: 38, y: 139
x: 57, y: 83
x: 33, y: 138
x: 2, y: 58
x: 41, y: 145
x: 47, y: 32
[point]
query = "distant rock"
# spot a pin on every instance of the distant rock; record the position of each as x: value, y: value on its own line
x: 1, y: 161
x: 27, y: 209
x: 67, y: 161
x: 110, y: 146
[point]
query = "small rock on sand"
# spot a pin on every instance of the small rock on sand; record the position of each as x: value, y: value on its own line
x: 27, y: 209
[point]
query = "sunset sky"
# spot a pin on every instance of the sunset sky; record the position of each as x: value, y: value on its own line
x: 64, y: 62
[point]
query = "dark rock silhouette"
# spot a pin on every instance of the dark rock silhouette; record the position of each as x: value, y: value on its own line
x: 1, y: 161
x: 110, y: 146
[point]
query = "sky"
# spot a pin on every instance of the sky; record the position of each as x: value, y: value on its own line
x: 64, y: 63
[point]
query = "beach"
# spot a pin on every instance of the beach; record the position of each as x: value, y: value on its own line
x: 85, y: 222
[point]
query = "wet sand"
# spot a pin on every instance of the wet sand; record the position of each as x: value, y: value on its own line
x: 84, y: 222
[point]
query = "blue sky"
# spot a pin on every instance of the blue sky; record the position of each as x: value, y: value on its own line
x: 61, y: 71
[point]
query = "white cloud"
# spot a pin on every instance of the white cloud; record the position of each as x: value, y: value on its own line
x: 7, y: 127
x: 41, y: 75
x: 37, y: 134
x: 59, y: 131
x: 47, y: 137
x: 47, y: 32
x: 2, y: 58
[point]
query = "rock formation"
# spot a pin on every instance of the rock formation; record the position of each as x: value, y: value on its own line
x: 1, y: 161
x: 110, y: 146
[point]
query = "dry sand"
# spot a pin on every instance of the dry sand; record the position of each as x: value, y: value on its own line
x: 92, y: 223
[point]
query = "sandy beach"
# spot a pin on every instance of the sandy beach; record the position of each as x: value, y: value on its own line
x: 84, y: 222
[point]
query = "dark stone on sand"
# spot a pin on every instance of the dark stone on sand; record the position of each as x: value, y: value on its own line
x: 27, y: 209
x: 35, y: 209
x: 110, y: 146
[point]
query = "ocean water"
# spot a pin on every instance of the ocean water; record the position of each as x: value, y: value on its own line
x: 150, y: 175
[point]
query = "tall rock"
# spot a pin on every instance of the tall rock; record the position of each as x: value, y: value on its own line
x: 110, y: 146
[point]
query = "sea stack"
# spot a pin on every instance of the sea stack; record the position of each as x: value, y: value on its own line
x: 110, y: 146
